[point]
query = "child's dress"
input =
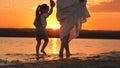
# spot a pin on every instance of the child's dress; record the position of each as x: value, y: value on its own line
x: 40, y: 27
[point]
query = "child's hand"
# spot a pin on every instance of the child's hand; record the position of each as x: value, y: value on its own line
x: 52, y: 3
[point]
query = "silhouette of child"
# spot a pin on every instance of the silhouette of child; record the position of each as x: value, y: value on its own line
x: 42, y: 12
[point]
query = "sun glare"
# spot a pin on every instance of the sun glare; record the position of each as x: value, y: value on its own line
x: 54, y: 46
x: 55, y: 27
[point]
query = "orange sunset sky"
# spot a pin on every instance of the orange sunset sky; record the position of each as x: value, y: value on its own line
x: 105, y: 14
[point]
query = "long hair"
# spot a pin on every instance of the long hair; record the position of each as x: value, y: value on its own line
x: 38, y: 13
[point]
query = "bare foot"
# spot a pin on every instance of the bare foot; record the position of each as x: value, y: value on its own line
x: 61, y: 55
x: 37, y: 57
x: 44, y: 52
x: 68, y: 55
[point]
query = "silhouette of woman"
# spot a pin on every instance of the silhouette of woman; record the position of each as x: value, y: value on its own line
x: 71, y: 14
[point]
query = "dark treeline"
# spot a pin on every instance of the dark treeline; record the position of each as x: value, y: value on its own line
x: 12, y: 32
x: 24, y: 32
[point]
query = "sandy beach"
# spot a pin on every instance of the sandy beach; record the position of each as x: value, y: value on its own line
x: 103, y: 60
x: 68, y: 63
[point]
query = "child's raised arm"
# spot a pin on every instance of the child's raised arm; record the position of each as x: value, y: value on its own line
x: 52, y: 4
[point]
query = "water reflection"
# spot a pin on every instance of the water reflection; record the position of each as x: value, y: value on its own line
x: 54, y: 46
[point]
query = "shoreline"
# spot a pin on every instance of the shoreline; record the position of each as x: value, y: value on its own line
x: 58, y: 37
x: 103, y: 60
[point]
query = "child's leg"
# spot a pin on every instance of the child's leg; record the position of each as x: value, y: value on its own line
x: 37, y: 48
x: 44, y: 45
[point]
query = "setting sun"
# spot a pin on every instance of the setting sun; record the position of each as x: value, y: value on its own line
x: 55, y: 26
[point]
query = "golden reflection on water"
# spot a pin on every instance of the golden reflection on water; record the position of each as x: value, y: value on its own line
x: 54, y: 46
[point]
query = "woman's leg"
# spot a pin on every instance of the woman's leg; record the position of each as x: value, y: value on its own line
x: 37, y: 48
x: 67, y: 51
x: 61, y: 49
x: 65, y: 44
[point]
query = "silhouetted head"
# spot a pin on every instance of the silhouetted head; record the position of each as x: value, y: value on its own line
x: 44, y: 8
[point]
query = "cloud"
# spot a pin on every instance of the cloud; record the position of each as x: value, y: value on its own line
x: 16, y: 8
x: 96, y: 2
x: 19, y: 5
x: 9, y: 7
x: 111, y: 6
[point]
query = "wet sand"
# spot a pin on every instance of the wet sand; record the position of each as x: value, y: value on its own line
x: 67, y: 63
x: 104, y: 60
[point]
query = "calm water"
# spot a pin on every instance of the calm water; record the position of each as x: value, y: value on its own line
x: 87, y: 46
x: 77, y: 46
